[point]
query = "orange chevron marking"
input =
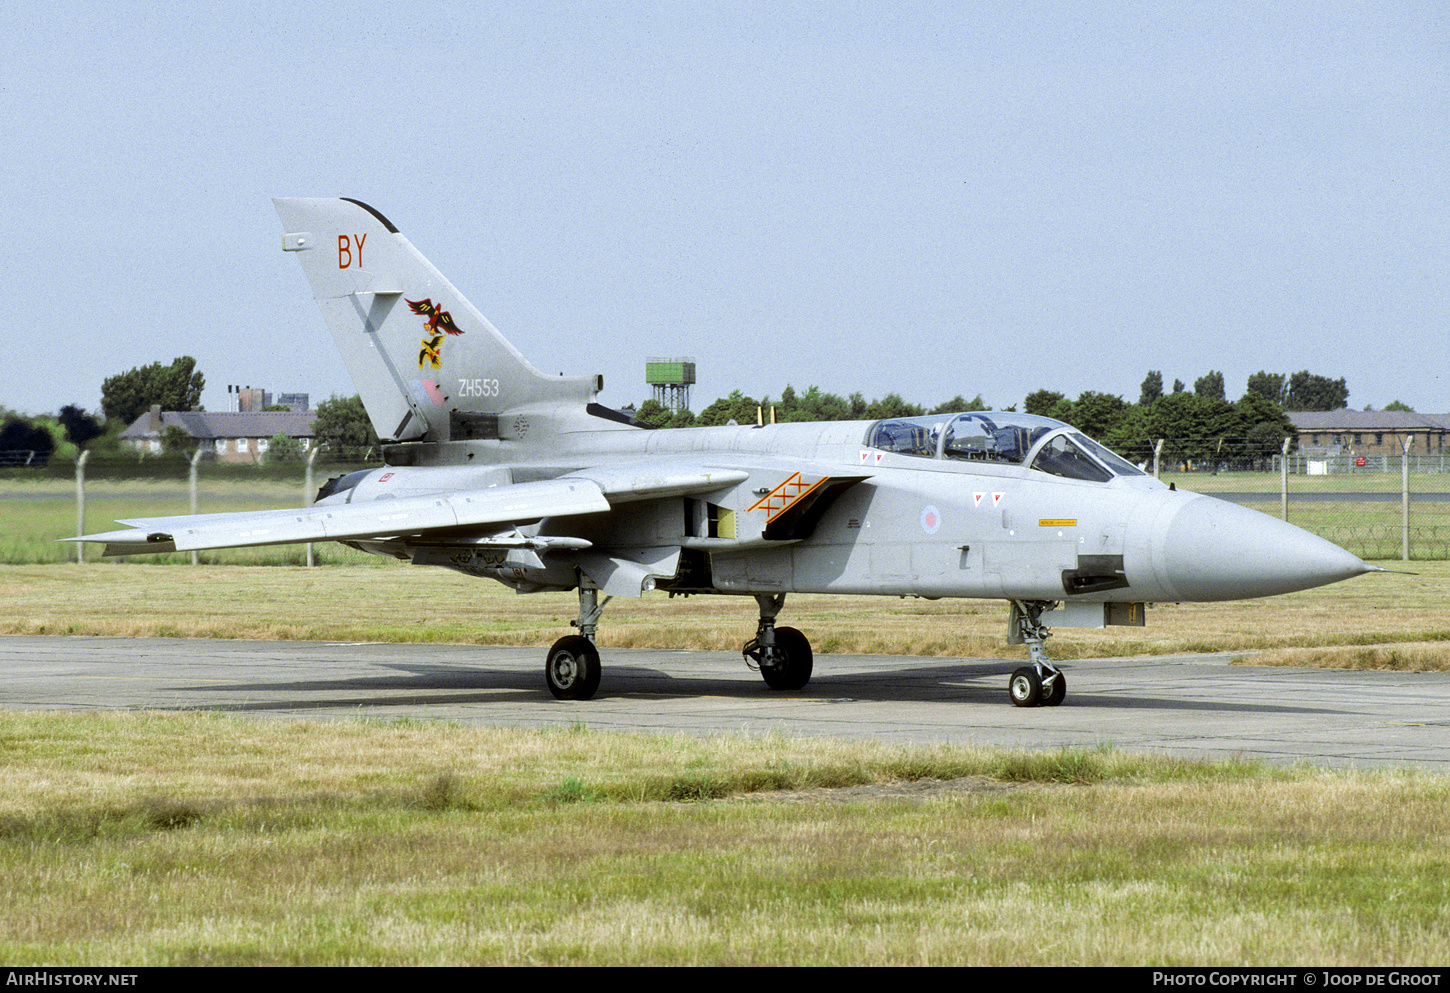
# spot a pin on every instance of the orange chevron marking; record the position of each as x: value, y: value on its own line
x: 785, y: 496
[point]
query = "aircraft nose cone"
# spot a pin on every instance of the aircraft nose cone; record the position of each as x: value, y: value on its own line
x: 1216, y: 550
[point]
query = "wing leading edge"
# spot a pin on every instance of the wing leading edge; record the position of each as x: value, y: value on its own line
x: 356, y: 521
x: 589, y: 492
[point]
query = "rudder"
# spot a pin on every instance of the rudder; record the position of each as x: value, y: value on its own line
x: 421, y: 356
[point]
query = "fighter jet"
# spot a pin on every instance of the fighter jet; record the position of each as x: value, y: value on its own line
x: 499, y: 471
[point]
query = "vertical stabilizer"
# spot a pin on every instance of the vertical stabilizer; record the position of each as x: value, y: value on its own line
x: 423, y: 358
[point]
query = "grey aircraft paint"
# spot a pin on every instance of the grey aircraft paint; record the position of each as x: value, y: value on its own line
x: 500, y: 471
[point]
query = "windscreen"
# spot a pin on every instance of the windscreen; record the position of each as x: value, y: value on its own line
x: 1061, y: 456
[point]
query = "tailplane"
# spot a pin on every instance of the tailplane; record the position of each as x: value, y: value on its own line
x: 427, y: 364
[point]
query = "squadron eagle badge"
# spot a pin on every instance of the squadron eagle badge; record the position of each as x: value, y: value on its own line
x: 440, y: 322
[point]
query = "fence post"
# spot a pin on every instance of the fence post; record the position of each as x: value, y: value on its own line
x: 308, y: 495
x: 1157, y: 455
x: 195, y: 459
x: 1284, y: 480
x: 1405, y: 498
x: 81, y: 504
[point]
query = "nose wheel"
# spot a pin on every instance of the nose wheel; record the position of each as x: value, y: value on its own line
x: 1028, y: 688
x: 1039, y: 683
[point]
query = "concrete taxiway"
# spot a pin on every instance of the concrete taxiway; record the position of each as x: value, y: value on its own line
x: 1188, y: 705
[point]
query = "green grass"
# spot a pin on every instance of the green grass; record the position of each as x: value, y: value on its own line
x: 1342, y: 482
x: 1369, y: 530
x: 1373, y: 530
x: 35, y: 513
x: 297, y: 843
x: 198, y: 839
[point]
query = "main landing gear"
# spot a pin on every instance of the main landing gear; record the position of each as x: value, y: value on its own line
x: 783, y: 655
x: 1040, y: 683
x: 572, y: 669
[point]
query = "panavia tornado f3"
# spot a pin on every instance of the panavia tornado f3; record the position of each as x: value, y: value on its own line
x: 497, y: 470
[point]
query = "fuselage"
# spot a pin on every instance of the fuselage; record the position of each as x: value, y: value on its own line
x: 900, y: 507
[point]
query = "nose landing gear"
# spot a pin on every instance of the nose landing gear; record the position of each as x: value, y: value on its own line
x: 1040, y: 683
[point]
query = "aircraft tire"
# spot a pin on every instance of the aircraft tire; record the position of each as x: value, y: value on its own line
x: 572, y: 668
x: 795, y: 671
x: 1058, y: 694
x: 1025, y: 688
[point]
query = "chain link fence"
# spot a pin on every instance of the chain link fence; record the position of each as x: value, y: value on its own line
x: 67, y: 497
x: 1378, y: 506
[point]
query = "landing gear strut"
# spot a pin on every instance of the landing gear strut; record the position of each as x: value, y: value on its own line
x: 1040, y: 683
x: 572, y: 667
x: 783, y: 655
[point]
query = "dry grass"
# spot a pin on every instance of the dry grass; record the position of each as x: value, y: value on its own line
x: 193, y: 839
x: 1402, y: 657
x: 419, y: 843
x: 402, y: 604
x: 106, y: 760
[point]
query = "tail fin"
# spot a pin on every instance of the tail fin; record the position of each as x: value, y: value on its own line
x: 426, y: 363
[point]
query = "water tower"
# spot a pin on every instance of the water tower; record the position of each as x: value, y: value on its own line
x: 671, y: 380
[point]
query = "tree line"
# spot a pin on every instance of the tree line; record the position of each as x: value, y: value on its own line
x: 342, y: 425
x: 1197, y: 428
x: 1201, y: 424
x: 124, y: 397
x: 1295, y: 392
x: 1200, y: 427
x: 812, y: 405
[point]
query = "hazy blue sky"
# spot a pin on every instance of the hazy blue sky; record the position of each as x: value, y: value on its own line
x: 929, y: 199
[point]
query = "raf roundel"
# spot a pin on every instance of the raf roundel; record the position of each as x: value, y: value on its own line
x: 930, y: 520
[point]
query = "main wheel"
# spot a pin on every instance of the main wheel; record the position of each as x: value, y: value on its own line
x: 572, y: 668
x: 1058, y: 693
x: 793, y: 670
x: 1025, y: 688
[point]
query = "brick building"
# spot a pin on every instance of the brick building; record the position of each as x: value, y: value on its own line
x: 1369, y: 432
x: 224, y: 437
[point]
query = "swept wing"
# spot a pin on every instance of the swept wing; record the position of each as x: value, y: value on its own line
x: 587, y: 492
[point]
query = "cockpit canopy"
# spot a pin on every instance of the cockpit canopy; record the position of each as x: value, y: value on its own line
x: 1002, y: 437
